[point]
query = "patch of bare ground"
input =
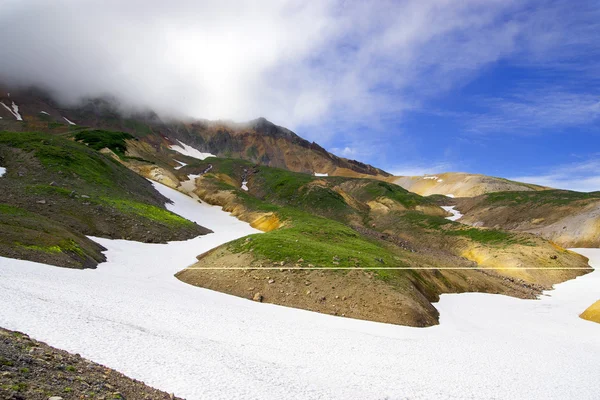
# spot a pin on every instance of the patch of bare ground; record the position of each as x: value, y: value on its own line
x: 406, y: 299
x: 33, y: 370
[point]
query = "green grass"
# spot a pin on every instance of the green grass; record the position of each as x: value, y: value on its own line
x: 60, y: 154
x: 376, y: 189
x: 100, y: 139
x: 147, y: 211
x: 318, y: 241
x: 551, y: 197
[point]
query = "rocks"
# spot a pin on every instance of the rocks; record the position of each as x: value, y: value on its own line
x: 41, y: 201
x: 55, y: 398
x: 271, y: 281
x: 258, y: 297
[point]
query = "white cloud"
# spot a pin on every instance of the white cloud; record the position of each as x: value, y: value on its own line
x: 580, y: 176
x: 293, y: 61
x: 324, y: 65
x: 534, y: 111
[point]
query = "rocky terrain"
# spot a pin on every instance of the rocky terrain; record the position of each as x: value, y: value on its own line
x: 32, y: 370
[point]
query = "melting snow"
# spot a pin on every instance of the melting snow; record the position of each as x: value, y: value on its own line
x: 455, y: 213
x: 318, y: 174
x: 44, y: 112
x: 14, y: 111
x: 245, y: 186
x: 2, y: 171
x: 450, y: 195
x: 182, y: 164
x: 70, y: 122
x: 131, y: 314
x: 430, y: 177
x: 189, y: 151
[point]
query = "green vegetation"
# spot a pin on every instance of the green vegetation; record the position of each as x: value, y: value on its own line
x: 318, y: 241
x: 552, y: 197
x: 148, y: 211
x: 140, y: 128
x: 100, y: 139
x: 66, y: 156
x: 376, y: 189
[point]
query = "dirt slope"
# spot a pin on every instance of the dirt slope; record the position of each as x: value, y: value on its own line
x: 459, y: 184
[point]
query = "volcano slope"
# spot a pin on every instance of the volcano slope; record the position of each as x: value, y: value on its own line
x: 460, y: 184
x: 56, y: 190
x: 258, y: 141
x: 358, y: 247
x: 570, y: 219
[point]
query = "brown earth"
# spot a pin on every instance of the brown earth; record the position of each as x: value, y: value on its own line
x: 32, y: 370
x: 405, y: 299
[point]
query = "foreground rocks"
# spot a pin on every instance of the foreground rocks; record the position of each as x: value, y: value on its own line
x: 33, y: 370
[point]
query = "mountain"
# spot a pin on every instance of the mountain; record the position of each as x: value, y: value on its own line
x: 257, y: 141
x: 367, y: 248
x: 459, y: 184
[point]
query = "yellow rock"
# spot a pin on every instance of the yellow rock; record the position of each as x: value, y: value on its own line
x: 592, y: 313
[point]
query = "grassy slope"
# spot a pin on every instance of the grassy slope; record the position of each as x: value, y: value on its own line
x: 77, y: 190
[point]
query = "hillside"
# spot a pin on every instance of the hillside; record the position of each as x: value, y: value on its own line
x: 571, y: 219
x: 459, y: 184
x: 55, y: 191
x: 33, y: 370
x: 361, y: 228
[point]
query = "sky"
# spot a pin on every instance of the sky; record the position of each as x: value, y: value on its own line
x: 507, y: 88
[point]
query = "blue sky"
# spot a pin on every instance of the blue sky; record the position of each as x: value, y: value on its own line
x: 502, y: 87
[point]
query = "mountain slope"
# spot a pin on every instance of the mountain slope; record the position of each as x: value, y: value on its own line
x: 357, y: 224
x: 258, y: 141
x: 56, y: 190
x: 571, y: 219
x: 459, y: 184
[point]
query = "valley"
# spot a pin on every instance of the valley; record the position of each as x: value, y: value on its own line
x: 132, y: 315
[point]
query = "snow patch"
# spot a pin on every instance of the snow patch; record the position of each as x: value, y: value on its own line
x: 2, y: 171
x: 430, y: 177
x: 455, y: 213
x: 69, y: 122
x: 245, y: 186
x: 189, y: 151
x: 14, y: 111
x: 44, y: 112
x: 440, y: 180
x: 450, y: 195
x: 132, y: 315
x: 318, y: 174
x: 182, y: 164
